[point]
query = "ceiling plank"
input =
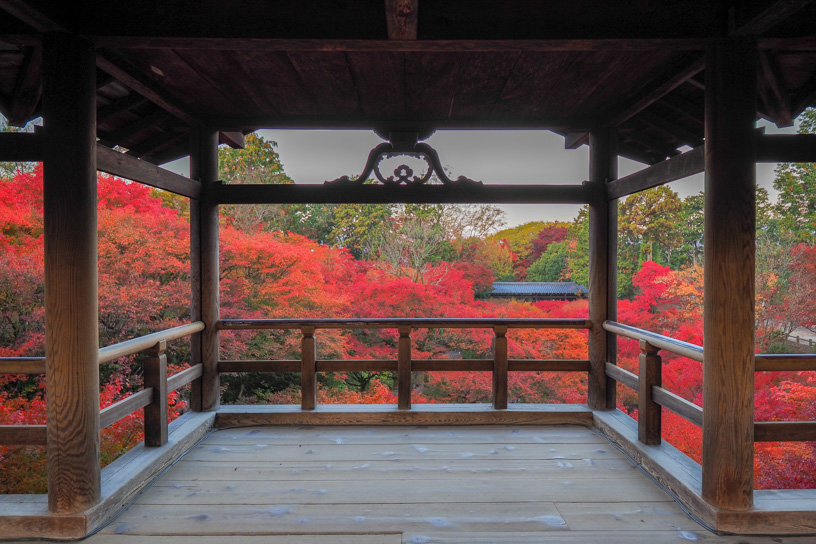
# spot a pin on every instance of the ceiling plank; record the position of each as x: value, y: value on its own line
x: 772, y: 93
x: 128, y: 76
x: 772, y: 15
x: 27, y: 89
x: 401, y: 18
x: 663, y: 86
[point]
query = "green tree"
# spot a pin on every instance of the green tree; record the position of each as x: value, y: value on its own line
x: 552, y: 265
x: 796, y: 183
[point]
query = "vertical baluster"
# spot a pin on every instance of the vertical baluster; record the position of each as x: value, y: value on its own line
x: 155, y: 413
x: 500, y: 367
x: 649, y: 412
x: 404, y: 368
x: 308, y: 374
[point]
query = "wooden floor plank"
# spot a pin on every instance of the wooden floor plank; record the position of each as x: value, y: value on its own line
x: 593, y: 537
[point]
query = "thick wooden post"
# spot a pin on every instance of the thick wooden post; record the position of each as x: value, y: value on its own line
x: 308, y: 369
x: 71, y: 297
x: 730, y: 234
x: 602, y: 267
x: 404, y: 368
x: 205, y: 270
x: 500, y: 367
x: 155, y: 413
x: 650, y: 413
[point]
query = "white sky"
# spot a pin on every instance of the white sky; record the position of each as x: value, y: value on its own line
x: 494, y: 157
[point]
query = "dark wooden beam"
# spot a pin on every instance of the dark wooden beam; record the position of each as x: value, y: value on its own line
x: 381, y: 194
x: 772, y: 94
x: 696, y: 83
x: 428, y: 46
x: 119, y: 136
x: 27, y: 89
x: 805, y: 97
x: 130, y: 77
x: 771, y: 16
x: 401, y: 19
x: 574, y: 140
x: 689, y: 163
x: 786, y: 148
x: 149, y: 146
x: 21, y: 146
x: 234, y: 139
x: 663, y: 85
x: 178, y: 149
x: 672, y: 129
x: 126, y: 103
x: 728, y: 305
x: 125, y: 166
x: 31, y: 16
x: 683, y: 107
x: 659, y: 148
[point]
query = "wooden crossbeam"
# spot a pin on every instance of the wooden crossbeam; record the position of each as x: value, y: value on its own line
x: 664, y: 86
x: 689, y: 163
x: 786, y: 148
x: 21, y: 146
x: 774, y: 14
x: 234, y: 139
x: 27, y: 89
x: 771, y: 93
x: 125, y: 166
x: 130, y: 77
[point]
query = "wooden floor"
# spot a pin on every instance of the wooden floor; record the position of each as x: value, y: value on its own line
x: 413, y: 485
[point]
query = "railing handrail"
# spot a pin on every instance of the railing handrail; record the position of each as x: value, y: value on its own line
x: 679, y: 347
x: 393, y: 323
x: 129, y: 347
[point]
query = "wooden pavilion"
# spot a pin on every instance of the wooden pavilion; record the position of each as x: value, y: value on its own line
x: 677, y: 85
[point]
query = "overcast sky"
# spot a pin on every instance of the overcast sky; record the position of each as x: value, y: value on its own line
x: 494, y: 157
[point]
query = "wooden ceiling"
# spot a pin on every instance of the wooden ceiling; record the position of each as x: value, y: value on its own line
x: 166, y: 66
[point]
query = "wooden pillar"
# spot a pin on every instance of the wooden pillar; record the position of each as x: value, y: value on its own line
x: 650, y: 413
x: 205, y: 270
x: 308, y: 369
x: 404, y: 368
x: 155, y: 413
x: 603, y: 167
x: 71, y: 297
x: 500, y: 367
x: 730, y: 234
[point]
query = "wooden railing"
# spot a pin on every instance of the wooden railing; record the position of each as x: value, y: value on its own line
x: 153, y: 397
x: 308, y: 365
x: 652, y: 397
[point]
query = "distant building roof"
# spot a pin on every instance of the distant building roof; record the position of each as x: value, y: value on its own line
x: 539, y: 288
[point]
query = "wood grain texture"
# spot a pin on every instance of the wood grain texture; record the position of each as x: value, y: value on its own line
x: 155, y: 413
x: 116, y: 411
x: 785, y: 431
x: 125, y: 166
x: 623, y: 376
x: 142, y: 343
x: 679, y: 347
x: 308, y: 370
x: 22, y: 365
x: 184, y: 377
x: 766, y: 362
x: 404, y: 386
x: 728, y: 307
x: 650, y: 414
x: 23, y: 435
x: 679, y: 167
x: 677, y: 404
x: 204, y: 168
x: 401, y: 18
x: 71, y: 300
x: 500, y: 368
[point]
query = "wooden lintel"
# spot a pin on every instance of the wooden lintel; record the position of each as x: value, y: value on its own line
x: 689, y: 163
x: 682, y: 134
x: 234, y: 139
x: 27, y: 89
x: 21, y: 146
x: 574, y: 140
x: 128, y: 131
x: 786, y: 148
x: 771, y: 93
x: 125, y: 166
x: 130, y: 77
x: 664, y: 86
x: 371, y: 194
x: 771, y: 16
x: 401, y: 19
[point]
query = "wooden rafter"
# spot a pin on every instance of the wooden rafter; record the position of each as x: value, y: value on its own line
x: 659, y: 148
x: 401, y: 19
x: 772, y: 15
x: 772, y: 93
x: 148, y: 147
x: 663, y: 86
x: 126, y: 103
x: 234, y: 139
x: 128, y: 131
x: 27, y: 89
x: 31, y: 16
x: 130, y: 77
x: 676, y: 131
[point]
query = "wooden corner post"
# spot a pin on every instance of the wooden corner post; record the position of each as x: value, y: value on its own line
x: 204, y: 271
x: 500, y: 367
x: 730, y: 235
x: 404, y: 368
x: 308, y: 369
x: 71, y: 296
x: 603, y: 228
